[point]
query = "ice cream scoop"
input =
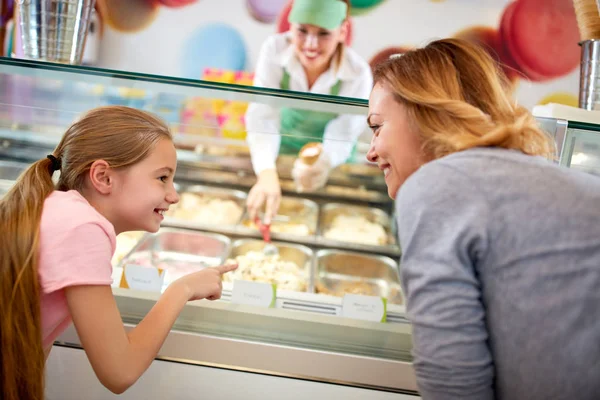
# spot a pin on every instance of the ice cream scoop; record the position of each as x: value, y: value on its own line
x: 265, y: 230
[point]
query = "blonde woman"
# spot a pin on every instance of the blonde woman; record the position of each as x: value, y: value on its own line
x: 501, y: 247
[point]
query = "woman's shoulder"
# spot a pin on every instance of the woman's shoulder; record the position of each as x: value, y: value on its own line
x: 477, y: 171
x: 477, y: 161
x: 452, y: 176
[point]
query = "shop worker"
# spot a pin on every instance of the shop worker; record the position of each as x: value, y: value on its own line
x: 310, y: 57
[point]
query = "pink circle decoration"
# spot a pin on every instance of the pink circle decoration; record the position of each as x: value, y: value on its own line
x: 265, y: 10
x: 283, y: 25
x: 175, y: 3
x: 384, y: 54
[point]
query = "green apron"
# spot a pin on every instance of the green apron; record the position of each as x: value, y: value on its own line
x: 299, y: 127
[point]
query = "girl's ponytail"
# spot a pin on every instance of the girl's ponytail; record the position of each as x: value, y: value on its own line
x: 21, y: 354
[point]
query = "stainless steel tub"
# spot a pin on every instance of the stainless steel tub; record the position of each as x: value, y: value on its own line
x: 361, y: 170
x: 331, y: 211
x: 180, y: 252
x: 300, y: 255
x: 340, y: 272
x: 227, y: 215
x: 336, y: 191
x: 296, y: 217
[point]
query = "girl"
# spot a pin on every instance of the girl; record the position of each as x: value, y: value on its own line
x: 500, y: 246
x: 116, y: 169
x: 311, y: 57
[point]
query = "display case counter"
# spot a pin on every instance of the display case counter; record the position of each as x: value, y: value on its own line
x: 315, y: 328
x: 577, y: 142
x: 311, y: 330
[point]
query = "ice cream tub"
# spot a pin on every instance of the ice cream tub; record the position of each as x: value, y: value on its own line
x: 290, y: 270
x: 355, y: 224
x: 206, y: 205
x: 179, y: 252
x: 343, y: 272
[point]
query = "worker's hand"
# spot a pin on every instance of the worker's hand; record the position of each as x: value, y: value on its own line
x: 266, y: 191
x: 311, y: 177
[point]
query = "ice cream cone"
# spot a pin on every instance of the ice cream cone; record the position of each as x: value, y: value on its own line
x: 310, y: 153
x: 588, y: 18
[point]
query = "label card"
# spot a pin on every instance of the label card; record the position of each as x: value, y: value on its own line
x: 368, y: 308
x: 254, y: 293
x: 142, y: 278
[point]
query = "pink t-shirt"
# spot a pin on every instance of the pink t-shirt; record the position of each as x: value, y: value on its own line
x: 76, y: 247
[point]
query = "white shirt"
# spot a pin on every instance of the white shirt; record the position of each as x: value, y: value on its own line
x: 262, y: 121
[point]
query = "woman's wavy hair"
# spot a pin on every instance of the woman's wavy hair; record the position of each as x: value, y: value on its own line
x: 457, y: 98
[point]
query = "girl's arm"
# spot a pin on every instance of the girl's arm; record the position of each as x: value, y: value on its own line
x: 118, y: 357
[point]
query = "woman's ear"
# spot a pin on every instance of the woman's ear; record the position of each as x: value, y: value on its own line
x: 101, y: 177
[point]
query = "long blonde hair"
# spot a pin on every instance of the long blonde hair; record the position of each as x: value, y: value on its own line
x: 457, y: 98
x: 121, y: 136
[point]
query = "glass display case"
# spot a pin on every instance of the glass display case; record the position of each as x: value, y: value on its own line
x: 338, y: 316
x: 577, y: 143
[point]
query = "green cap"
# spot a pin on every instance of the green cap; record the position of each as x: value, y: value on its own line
x: 328, y: 14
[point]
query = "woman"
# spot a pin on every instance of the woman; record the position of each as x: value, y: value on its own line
x: 311, y: 57
x: 501, y: 247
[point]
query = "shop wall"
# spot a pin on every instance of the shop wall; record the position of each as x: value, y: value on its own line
x: 183, y: 37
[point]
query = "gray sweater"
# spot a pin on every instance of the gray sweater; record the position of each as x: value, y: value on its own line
x: 501, y: 270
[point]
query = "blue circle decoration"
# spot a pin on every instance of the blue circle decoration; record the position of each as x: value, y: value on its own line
x: 215, y: 45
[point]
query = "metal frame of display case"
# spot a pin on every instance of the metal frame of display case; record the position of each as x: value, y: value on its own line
x: 557, y: 128
x: 575, y: 138
x: 240, y: 351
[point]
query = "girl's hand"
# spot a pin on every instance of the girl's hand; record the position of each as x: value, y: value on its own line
x: 205, y: 284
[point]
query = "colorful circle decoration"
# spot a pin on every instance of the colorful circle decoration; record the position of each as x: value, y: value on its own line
x: 536, y: 39
x: 283, y: 25
x: 540, y: 38
x: 128, y: 16
x: 176, y: 3
x: 489, y: 38
x: 265, y: 10
x: 361, y: 7
x: 385, y: 54
x: 216, y: 45
x: 565, y: 98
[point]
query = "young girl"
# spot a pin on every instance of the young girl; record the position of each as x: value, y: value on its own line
x: 311, y: 57
x: 116, y: 169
